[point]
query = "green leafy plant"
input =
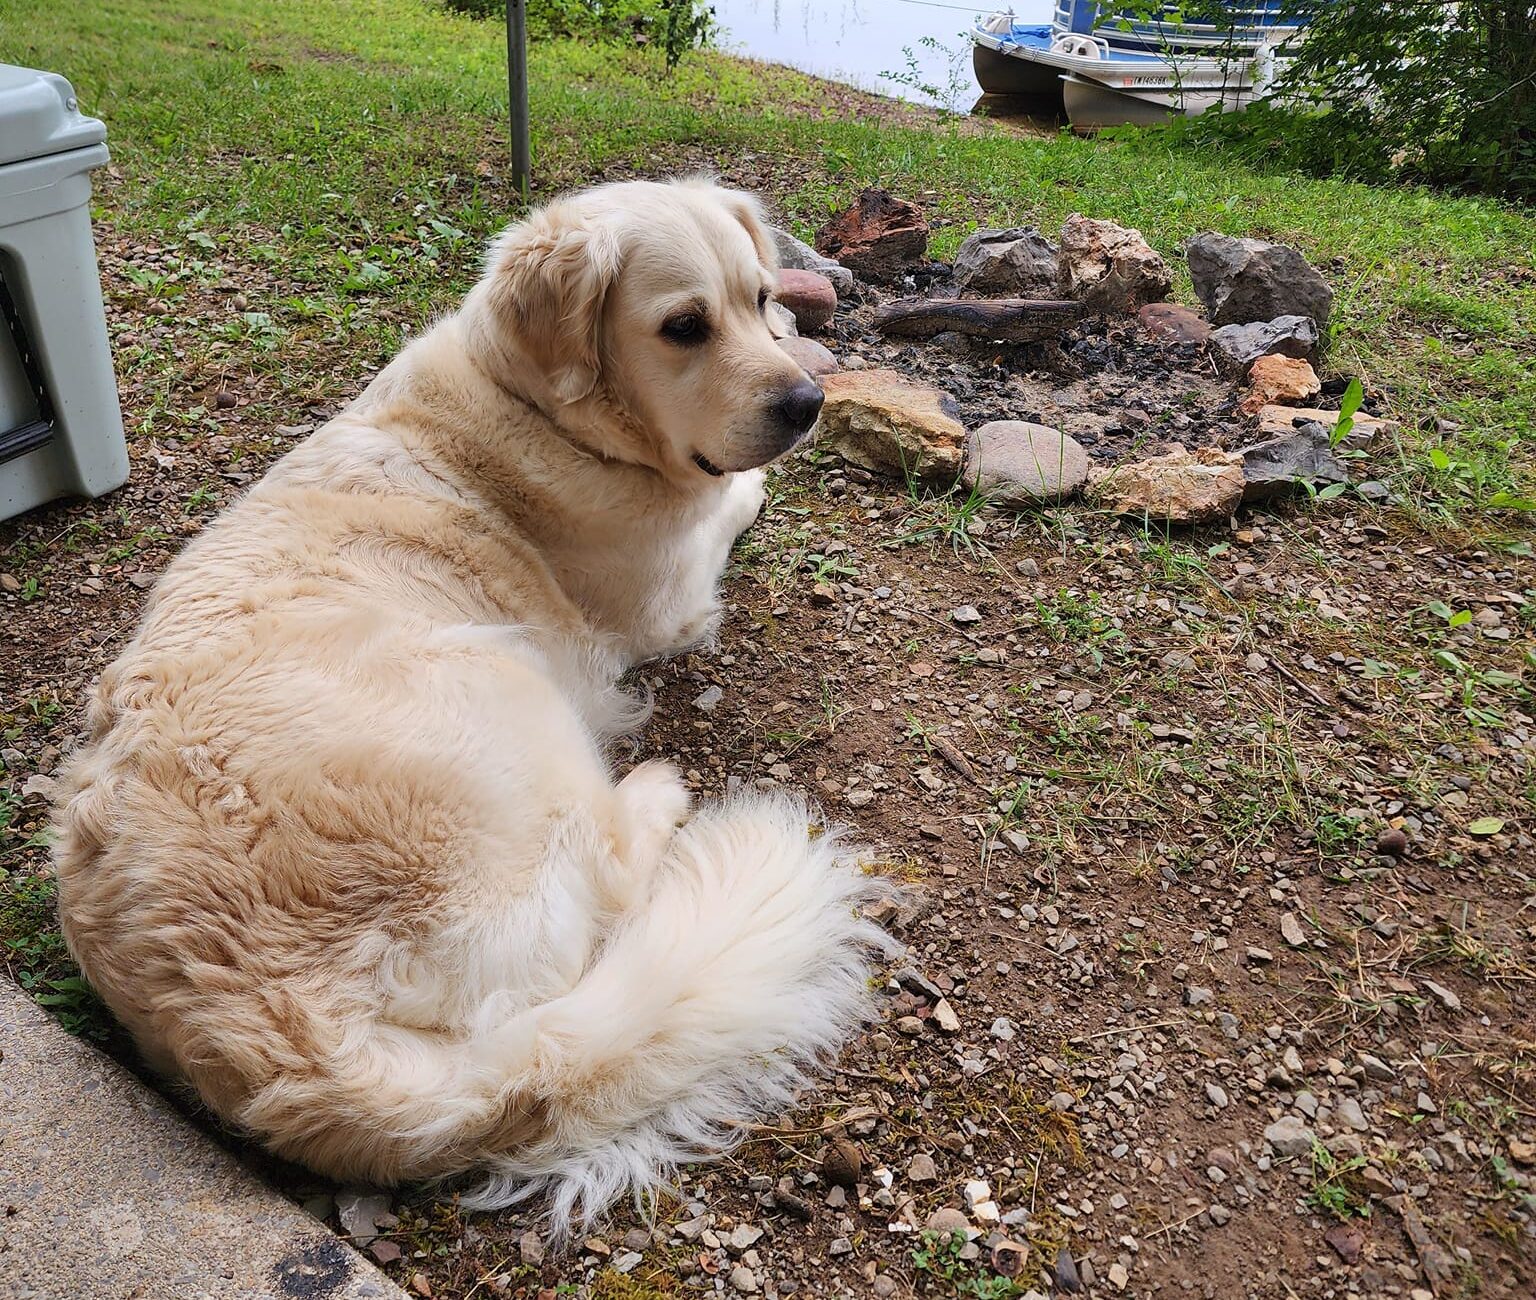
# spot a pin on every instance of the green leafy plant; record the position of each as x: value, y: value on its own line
x: 1452, y: 617
x: 200, y: 498
x: 1067, y: 617
x: 685, y: 26
x: 546, y: 19
x: 1476, y: 686
x: 255, y: 328
x: 1336, y: 833
x: 1336, y: 1187
x: 824, y: 567
x: 365, y: 276
x: 940, y: 516
x: 33, y: 951
x: 682, y: 25
x: 10, y: 806
x: 938, y: 1258
x: 957, y: 84
x: 1354, y: 395
x: 1328, y: 493
x: 1452, y: 88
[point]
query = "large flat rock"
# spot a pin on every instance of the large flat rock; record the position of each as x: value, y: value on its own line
x: 105, y: 1191
x: 888, y: 423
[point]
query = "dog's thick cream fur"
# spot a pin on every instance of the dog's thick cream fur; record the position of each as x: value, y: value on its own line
x: 343, y: 849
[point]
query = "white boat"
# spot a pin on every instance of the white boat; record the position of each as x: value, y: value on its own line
x: 1109, y: 70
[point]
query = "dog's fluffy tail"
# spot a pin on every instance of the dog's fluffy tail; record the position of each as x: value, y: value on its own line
x: 706, y: 1008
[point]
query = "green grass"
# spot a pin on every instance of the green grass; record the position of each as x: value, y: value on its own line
x: 32, y: 952
x: 355, y: 147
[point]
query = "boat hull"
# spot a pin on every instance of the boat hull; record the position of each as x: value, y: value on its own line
x: 1002, y: 74
x: 1091, y: 105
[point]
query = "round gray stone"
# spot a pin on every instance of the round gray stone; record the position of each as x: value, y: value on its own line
x: 1017, y: 463
x: 816, y: 359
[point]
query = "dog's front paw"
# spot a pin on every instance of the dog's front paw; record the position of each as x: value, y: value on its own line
x: 744, y: 502
x: 702, y: 629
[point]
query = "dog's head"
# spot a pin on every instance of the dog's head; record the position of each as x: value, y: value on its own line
x: 637, y: 314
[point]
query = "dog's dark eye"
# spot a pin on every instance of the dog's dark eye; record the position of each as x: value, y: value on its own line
x: 688, y: 328
x: 762, y: 299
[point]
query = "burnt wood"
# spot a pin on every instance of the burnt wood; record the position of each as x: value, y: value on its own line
x: 1016, y: 320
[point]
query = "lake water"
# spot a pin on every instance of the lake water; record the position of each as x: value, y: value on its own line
x: 856, y: 41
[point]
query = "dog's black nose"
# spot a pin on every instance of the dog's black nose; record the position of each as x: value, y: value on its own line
x: 800, y: 406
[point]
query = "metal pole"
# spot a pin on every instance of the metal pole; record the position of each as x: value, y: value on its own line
x: 517, y: 91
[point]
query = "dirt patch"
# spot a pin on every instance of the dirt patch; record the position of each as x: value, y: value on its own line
x: 1105, y: 382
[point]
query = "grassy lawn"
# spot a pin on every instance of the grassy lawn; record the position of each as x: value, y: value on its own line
x: 357, y: 146
x: 1204, y: 811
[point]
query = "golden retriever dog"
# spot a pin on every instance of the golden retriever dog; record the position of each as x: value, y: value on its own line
x: 343, y: 849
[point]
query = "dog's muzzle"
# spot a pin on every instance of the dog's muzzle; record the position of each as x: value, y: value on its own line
x: 789, y: 419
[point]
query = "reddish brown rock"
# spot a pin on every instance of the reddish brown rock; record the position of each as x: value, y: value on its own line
x: 810, y: 297
x: 816, y: 359
x: 841, y: 1164
x: 884, y: 422
x: 1347, y: 1241
x: 1277, y: 380
x: 880, y: 238
x: 1008, y: 1257
x: 1109, y: 268
x: 1172, y: 323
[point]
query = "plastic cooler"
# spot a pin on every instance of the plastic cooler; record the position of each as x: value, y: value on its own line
x: 61, y: 430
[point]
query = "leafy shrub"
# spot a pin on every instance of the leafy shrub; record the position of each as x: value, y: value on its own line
x: 685, y: 25
x: 547, y: 18
x: 679, y: 25
x: 1412, y: 89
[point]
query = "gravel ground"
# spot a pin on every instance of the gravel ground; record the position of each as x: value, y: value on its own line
x: 1219, y: 934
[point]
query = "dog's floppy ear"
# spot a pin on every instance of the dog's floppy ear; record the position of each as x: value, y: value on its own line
x: 749, y: 211
x: 547, y: 280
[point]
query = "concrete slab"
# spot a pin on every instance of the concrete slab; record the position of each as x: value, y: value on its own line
x: 107, y: 1193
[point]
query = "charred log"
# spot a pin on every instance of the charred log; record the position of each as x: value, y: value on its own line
x: 1014, y: 320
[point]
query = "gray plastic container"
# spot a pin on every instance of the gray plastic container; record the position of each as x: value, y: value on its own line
x: 61, y: 429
